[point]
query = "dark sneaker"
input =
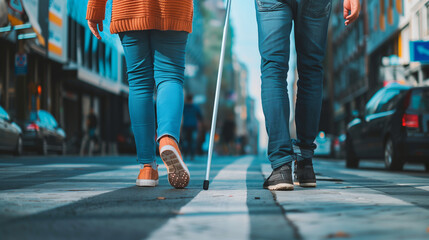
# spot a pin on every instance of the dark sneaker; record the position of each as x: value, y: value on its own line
x: 280, y: 179
x: 304, y: 174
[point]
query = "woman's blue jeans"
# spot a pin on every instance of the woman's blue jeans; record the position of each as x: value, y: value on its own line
x: 154, y: 59
x: 310, y: 18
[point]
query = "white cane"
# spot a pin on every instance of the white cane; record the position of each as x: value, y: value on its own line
x: 216, y: 102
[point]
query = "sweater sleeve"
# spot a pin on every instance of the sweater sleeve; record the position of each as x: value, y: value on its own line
x: 96, y: 10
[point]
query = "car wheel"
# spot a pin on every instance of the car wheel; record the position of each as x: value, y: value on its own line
x: 352, y: 161
x: 391, y: 156
x: 44, y: 148
x: 18, y: 150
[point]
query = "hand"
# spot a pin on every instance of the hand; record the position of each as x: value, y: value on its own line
x: 352, y: 6
x: 93, y: 27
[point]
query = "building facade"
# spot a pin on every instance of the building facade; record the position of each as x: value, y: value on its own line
x: 373, y: 52
x: 68, y: 72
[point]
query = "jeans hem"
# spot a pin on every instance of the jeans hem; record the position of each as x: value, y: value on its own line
x: 145, y: 161
x: 167, y: 134
x: 281, y: 161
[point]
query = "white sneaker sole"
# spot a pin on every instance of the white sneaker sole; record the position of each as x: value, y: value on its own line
x: 281, y: 186
x: 146, y: 183
x: 305, y: 184
x: 178, y: 173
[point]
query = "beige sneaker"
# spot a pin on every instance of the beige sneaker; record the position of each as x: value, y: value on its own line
x: 178, y: 173
x: 148, y: 177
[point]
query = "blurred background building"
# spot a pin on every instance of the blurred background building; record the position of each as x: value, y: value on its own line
x: 374, y: 51
x: 50, y: 60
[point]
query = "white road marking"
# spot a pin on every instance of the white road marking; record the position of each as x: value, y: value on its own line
x: 219, y: 213
x: 361, y: 212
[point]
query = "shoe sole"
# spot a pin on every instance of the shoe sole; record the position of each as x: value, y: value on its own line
x: 146, y: 183
x: 178, y: 173
x: 305, y: 184
x: 281, y: 187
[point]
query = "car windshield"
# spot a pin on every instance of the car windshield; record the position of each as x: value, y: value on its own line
x: 419, y: 101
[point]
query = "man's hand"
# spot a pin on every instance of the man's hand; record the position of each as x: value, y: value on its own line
x: 352, y: 6
x: 93, y: 27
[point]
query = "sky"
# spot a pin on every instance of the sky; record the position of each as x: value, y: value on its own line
x: 245, y: 47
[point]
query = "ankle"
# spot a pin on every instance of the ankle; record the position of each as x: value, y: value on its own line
x: 152, y: 164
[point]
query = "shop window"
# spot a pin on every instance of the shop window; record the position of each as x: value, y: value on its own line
x: 72, y: 39
x: 382, y: 16
x: 101, y: 59
x: 95, y: 54
x: 81, y: 58
x: 108, y: 62
x: 390, y: 12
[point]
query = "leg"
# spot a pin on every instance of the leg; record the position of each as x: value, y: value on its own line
x: 311, y: 25
x: 169, y: 68
x: 139, y: 61
x: 274, y: 26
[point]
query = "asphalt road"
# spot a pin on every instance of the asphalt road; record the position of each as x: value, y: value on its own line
x: 68, y: 197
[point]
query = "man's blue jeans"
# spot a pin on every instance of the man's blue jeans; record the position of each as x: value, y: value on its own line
x: 310, y: 18
x: 154, y: 58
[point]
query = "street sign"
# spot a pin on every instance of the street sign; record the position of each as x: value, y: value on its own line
x: 20, y: 64
x: 16, y: 5
x: 419, y: 51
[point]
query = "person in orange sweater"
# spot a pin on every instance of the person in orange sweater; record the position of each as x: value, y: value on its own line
x: 154, y: 35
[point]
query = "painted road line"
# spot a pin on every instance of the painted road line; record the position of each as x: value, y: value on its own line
x: 219, y: 213
x: 341, y: 206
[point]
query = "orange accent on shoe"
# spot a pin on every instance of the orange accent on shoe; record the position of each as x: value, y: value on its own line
x: 178, y: 173
x: 148, y: 177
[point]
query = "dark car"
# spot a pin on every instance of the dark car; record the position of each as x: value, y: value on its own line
x: 125, y: 140
x: 42, y: 133
x: 394, y: 127
x: 10, y: 134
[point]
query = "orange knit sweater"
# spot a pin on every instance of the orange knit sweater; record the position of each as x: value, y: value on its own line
x: 129, y: 15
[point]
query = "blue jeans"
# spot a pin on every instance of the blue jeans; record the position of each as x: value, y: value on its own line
x: 310, y: 18
x: 154, y: 59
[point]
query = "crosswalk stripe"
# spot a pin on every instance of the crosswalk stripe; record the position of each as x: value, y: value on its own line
x: 331, y: 208
x: 395, y: 178
x: 219, y: 213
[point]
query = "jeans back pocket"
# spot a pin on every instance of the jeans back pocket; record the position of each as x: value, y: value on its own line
x: 269, y: 5
x: 317, y: 8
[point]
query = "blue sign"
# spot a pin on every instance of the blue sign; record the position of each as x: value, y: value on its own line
x: 419, y: 51
x: 16, y: 5
x: 20, y: 64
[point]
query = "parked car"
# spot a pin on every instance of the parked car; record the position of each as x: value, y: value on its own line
x: 43, y: 134
x: 394, y: 127
x: 10, y: 134
x: 340, y: 146
x: 325, y: 145
x: 125, y: 140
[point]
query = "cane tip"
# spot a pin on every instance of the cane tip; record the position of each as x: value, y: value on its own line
x: 206, y: 185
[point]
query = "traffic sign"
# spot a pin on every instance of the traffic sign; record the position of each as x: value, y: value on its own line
x: 419, y: 51
x: 20, y: 64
